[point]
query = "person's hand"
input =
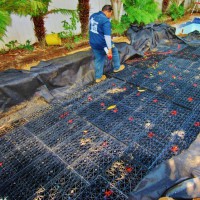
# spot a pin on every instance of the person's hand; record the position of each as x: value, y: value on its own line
x: 109, y: 54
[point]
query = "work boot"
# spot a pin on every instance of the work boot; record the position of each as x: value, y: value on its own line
x: 122, y: 67
x: 98, y: 80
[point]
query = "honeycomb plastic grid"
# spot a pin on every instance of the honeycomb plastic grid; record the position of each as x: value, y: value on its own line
x: 62, y: 131
x: 108, y: 120
x: 33, y: 177
x: 173, y: 118
x: 66, y: 185
x: 88, y: 170
x: 105, y: 151
x: 47, y: 120
x: 102, y: 189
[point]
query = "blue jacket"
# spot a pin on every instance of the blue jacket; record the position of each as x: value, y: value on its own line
x: 99, y: 26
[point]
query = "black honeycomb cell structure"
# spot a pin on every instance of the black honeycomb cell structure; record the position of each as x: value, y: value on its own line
x: 79, y: 143
x: 19, y: 136
x: 66, y: 185
x: 6, y: 146
x: 150, y: 143
x: 137, y: 99
x: 102, y: 189
x: 61, y: 131
x: 100, y: 105
x: 119, y: 93
x: 173, y: 118
x: 10, y: 166
x: 140, y: 154
x: 33, y: 177
x: 104, y: 152
x: 88, y: 170
x: 128, y: 130
x: 189, y: 97
x: 47, y: 120
x: 87, y: 113
x: 29, y: 152
x: 111, y: 118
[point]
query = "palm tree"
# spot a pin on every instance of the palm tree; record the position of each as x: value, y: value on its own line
x: 37, y: 9
x: 83, y: 11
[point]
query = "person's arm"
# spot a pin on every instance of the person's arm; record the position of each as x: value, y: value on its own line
x: 107, y: 36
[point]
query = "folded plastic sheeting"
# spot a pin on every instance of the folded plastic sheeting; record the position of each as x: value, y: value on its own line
x: 149, y: 36
x: 177, y: 178
x: 67, y: 72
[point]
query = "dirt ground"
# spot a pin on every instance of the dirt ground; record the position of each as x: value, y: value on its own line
x: 23, y: 59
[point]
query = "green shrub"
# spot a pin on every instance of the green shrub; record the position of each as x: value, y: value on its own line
x: 176, y: 11
x: 140, y: 12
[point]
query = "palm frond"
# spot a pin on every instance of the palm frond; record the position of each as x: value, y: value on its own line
x: 5, y: 20
x: 62, y: 11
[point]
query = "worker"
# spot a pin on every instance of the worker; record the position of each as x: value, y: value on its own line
x: 101, y: 43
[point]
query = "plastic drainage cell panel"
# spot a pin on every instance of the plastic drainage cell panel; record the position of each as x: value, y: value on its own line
x: 79, y: 143
x: 19, y: 136
x: 111, y: 118
x: 197, y: 51
x: 189, y: 97
x: 125, y: 174
x: 140, y: 154
x: 10, y: 166
x: 173, y: 118
x: 62, y: 131
x: 119, y: 93
x: 128, y: 130
x: 87, y: 113
x: 44, y: 122
x: 33, y: 177
x: 100, y: 105
x: 102, y: 189
x: 150, y: 143
x: 6, y: 146
x: 190, y: 129
x: 137, y: 99
x: 86, y: 168
x: 105, y: 151
x: 66, y: 185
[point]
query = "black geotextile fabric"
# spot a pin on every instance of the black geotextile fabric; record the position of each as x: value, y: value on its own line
x: 178, y: 178
x: 149, y: 36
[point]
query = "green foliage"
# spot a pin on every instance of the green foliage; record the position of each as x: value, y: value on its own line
x: 77, y: 38
x: 27, y: 46
x: 13, y: 45
x: 120, y: 27
x: 139, y: 12
x: 69, y: 28
x: 176, y: 11
x: 69, y: 46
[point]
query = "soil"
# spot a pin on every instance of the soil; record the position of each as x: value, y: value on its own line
x: 24, y: 59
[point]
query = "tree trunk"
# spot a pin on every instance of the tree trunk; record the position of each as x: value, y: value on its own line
x: 84, y: 9
x: 39, y: 29
x: 117, y: 9
x: 165, y: 5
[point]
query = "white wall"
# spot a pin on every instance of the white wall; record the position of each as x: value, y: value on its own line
x: 22, y: 28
